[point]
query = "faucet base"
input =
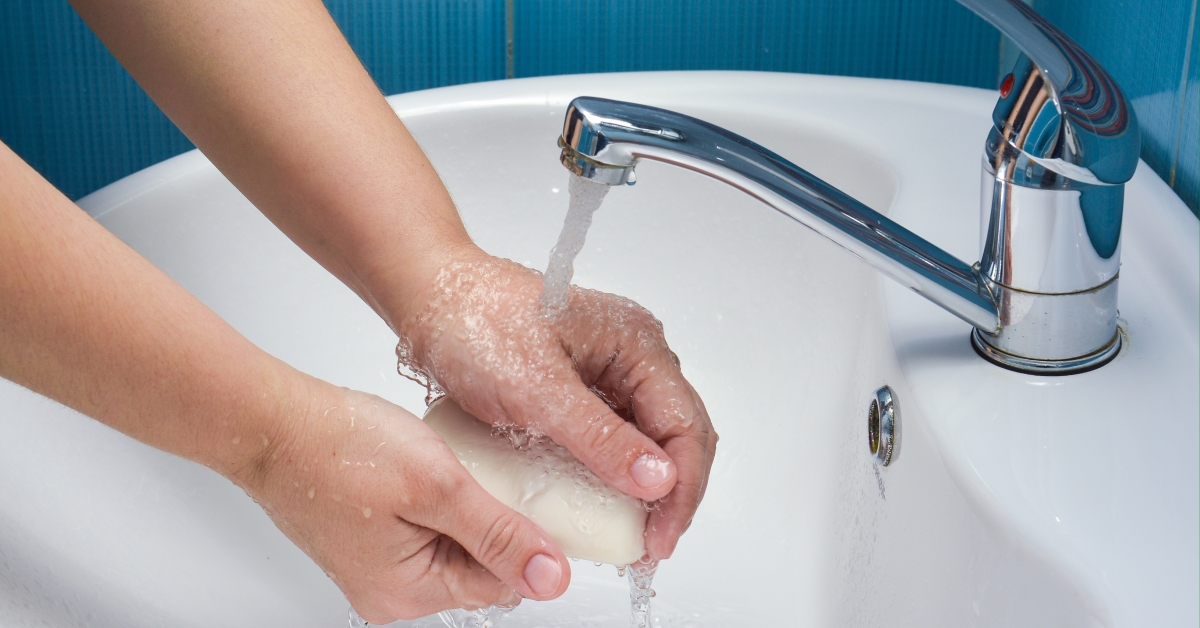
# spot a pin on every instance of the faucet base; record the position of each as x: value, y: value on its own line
x: 1069, y: 366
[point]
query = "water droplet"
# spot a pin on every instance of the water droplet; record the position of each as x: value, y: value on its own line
x: 312, y: 492
x: 367, y: 513
x: 632, y: 178
x: 237, y: 439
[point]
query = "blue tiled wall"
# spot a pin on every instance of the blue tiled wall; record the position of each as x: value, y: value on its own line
x: 68, y: 108
x: 66, y: 105
x: 921, y: 40
x: 1149, y: 47
x: 408, y: 45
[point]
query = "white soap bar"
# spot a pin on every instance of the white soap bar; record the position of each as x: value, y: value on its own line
x: 588, y: 519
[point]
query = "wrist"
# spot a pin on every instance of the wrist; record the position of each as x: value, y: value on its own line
x: 266, y: 429
x: 400, y: 290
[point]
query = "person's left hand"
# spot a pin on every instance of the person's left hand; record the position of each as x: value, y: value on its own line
x: 379, y: 501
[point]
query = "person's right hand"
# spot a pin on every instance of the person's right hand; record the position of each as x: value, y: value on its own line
x: 597, y: 378
x: 381, y: 503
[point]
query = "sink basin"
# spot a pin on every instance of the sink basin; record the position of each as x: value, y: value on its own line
x: 1012, y: 500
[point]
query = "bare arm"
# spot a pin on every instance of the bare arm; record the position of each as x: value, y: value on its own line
x: 86, y: 321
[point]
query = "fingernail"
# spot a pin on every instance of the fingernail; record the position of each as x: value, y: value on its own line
x: 543, y: 574
x: 649, y: 471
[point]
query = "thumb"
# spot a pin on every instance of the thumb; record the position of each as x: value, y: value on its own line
x: 505, y: 542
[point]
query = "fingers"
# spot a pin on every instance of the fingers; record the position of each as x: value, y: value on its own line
x: 613, y: 448
x: 645, y: 381
x: 694, y: 454
x: 507, y: 544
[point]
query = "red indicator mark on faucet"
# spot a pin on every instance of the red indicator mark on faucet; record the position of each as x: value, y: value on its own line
x: 1006, y: 86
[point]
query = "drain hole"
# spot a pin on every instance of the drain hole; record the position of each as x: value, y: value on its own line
x: 873, y: 427
x: 882, y: 423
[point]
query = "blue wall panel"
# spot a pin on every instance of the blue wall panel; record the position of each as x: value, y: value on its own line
x: 1146, y: 47
x: 408, y: 45
x: 73, y: 113
x: 67, y: 107
x: 923, y: 40
x: 1185, y: 175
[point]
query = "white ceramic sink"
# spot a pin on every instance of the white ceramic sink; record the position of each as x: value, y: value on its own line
x: 1014, y: 500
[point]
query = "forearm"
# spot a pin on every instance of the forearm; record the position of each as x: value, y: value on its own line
x: 86, y: 321
x: 275, y: 97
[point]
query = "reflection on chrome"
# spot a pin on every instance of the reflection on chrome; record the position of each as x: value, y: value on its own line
x: 1043, y: 297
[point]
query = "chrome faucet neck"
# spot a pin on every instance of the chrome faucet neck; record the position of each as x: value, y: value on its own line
x: 1063, y: 143
x: 1086, y: 130
x: 1043, y: 296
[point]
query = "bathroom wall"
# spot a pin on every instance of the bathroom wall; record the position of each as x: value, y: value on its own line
x: 1150, y: 48
x: 69, y: 109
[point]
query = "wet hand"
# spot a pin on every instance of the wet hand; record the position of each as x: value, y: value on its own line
x: 597, y: 378
x: 379, y: 501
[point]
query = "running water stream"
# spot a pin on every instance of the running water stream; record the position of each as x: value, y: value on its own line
x: 641, y: 576
x: 586, y: 198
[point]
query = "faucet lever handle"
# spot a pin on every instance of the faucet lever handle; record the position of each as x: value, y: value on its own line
x: 1095, y: 139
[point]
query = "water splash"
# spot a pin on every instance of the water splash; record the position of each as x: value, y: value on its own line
x: 408, y: 368
x: 641, y: 576
x: 482, y: 618
x: 455, y: 618
x: 586, y: 197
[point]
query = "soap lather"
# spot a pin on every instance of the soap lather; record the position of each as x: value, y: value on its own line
x: 588, y: 519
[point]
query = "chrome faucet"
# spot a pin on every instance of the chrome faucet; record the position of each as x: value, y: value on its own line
x: 1043, y: 297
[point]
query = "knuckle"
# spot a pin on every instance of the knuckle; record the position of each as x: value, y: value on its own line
x: 502, y: 541
x: 605, y: 436
x: 443, y: 482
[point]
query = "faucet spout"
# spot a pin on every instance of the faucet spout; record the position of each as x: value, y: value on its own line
x: 603, y: 140
x: 1064, y: 140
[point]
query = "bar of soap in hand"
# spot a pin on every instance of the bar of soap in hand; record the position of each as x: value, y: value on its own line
x: 586, y: 517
